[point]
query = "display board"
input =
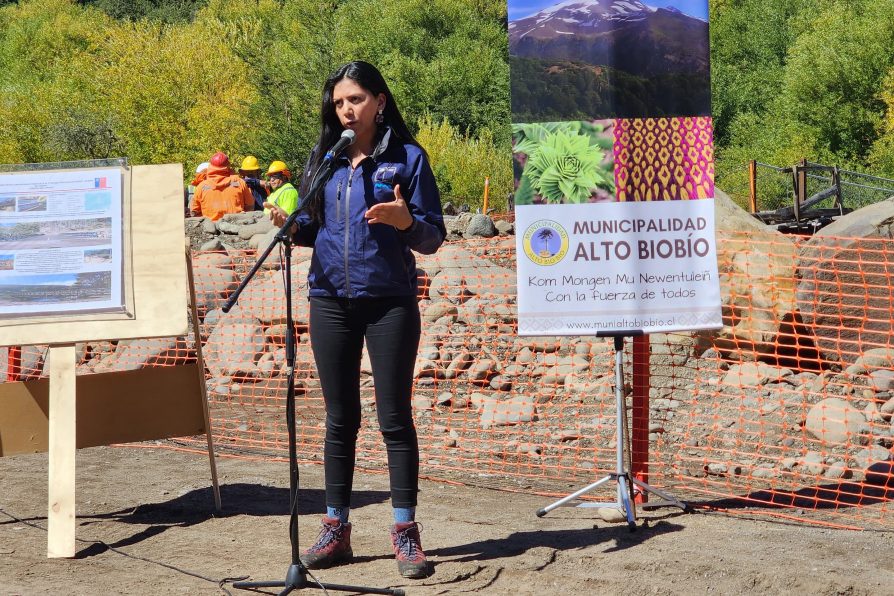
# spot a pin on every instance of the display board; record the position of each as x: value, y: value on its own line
x: 613, y: 156
x: 128, y: 227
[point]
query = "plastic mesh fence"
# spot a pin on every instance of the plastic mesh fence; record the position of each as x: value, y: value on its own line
x: 785, y: 411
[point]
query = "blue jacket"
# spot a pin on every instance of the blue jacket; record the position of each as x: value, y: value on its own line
x: 355, y: 259
x: 257, y: 191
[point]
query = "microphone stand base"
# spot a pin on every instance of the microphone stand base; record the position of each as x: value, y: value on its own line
x: 296, y: 579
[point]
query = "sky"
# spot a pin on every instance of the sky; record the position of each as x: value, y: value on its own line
x: 63, y: 279
x: 518, y: 9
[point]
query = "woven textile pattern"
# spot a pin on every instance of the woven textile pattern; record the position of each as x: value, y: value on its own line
x: 664, y: 159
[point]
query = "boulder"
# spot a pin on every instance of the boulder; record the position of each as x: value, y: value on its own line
x: 481, y: 226
x: 265, y: 299
x: 505, y: 228
x: 31, y: 361
x: 212, y: 245
x: 262, y: 226
x: 845, y: 292
x: 134, y: 354
x: 212, y: 261
x: 509, y: 412
x: 753, y: 374
x: 757, y: 282
x: 436, y: 310
x: 232, y: 345
x: 212, y: 285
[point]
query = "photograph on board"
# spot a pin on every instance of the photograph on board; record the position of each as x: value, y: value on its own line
x: 60, y: 288
x: 55, y: 233
x: 591, y: 59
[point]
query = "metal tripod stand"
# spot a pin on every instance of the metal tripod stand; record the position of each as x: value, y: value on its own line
x: 627, y: 485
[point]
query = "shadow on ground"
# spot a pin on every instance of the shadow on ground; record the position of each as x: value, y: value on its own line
x: 825, y: 497
x: 197, y: 506
x: 519, y: 543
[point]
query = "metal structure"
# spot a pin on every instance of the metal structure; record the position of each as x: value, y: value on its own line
x: 841, y: 191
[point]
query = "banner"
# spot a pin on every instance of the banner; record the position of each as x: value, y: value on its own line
x: 614, y: 166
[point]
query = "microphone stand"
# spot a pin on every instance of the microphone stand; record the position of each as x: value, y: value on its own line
x: 297, y: 573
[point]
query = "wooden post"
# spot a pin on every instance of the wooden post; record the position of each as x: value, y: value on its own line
x: 200, y: 365
x: 752, y: 184
x: 800, y: 187
x: 836, y: 181
x: 62, y: 449
x: 639, y: 454
x: 486, y: 194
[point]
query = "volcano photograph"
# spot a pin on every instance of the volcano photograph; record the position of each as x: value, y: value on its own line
x: 585, y: 59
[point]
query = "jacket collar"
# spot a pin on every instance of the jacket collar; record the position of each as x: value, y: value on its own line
x: 383, y: 138
x: 382, y: 146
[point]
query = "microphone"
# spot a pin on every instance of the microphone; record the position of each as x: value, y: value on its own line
x: 347, y: 137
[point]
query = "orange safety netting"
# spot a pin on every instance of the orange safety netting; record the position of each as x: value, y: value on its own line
x: 786, y: 411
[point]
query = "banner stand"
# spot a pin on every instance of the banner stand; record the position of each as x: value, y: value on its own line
x: 628, y: 484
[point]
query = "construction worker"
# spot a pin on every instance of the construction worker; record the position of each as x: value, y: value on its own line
x: 221, y: 192
x: 283, y: 196
x: 201, y: 172
x: 250, y: 171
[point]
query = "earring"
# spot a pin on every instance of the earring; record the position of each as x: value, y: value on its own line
x: 379, y: 117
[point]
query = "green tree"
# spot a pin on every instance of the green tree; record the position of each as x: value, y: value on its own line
x: 447, y: 58
x: 286, y: 49
x: 461, y: 163
x: 804, y: 80
x: 169, y: 11
x: 189, y: 100
x: 835, y: 73
x: 39, y: 43
x: 882, y: 154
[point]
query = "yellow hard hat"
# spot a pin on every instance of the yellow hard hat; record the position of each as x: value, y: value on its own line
x: 250, y: 164
x: 278, y: 167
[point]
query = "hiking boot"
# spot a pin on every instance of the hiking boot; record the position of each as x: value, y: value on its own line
x: 407, y: 546
x: 333, y: 546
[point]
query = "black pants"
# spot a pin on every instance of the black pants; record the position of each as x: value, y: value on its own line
x: 391, y: 327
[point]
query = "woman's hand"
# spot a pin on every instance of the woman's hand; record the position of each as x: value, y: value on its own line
x: 394, y: 213
x: 278, y: 216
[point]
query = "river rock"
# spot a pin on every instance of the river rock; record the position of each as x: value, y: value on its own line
x: 213, y: 285
x: 436, y: 310
x: 836, y: 422
x: 481, y: 226
x: 265, y: 298
x: 509, y: 412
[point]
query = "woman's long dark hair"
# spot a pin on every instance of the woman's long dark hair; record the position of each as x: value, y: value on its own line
x: 367, y: 76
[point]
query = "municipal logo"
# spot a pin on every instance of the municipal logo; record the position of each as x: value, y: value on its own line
x: 545, y: 242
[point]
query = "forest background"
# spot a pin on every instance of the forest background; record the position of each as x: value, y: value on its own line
x: 174, y: 81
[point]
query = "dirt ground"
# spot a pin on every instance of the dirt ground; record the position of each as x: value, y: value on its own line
x: 146, y: 525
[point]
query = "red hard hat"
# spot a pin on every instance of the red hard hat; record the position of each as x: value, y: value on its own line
x: 220, y: 160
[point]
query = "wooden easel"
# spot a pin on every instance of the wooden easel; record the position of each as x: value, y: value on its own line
x: 66, y: 412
